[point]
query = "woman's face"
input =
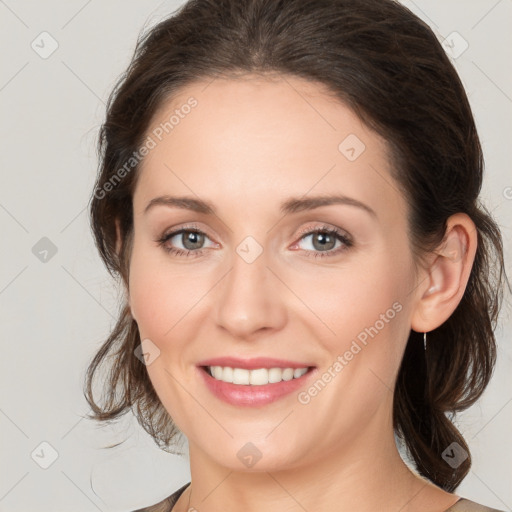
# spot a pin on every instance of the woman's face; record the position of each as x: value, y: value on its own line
x: 259, y: 282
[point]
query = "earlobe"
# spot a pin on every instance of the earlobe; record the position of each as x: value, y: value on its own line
x: 445, y: 282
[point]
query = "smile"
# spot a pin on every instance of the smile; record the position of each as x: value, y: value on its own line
x: 257, y: 387
x: 257, y: 377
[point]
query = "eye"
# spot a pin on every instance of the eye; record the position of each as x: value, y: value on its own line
x: 191, y: 239
x: 323, y: 242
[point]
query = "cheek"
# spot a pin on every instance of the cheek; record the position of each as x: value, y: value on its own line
x: 151, y: 296
x: 162, y: 296
x: 363, y: 312
x: 159, y: 301
x: 348, y: 300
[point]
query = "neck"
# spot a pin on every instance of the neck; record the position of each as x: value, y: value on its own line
x: 364, y: 474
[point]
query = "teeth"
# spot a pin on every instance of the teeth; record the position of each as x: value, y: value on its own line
x: 258, y: 377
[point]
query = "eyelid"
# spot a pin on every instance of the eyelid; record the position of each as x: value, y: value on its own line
x: 186, y: 227
x: 323, y: 227
x: 303, y: 231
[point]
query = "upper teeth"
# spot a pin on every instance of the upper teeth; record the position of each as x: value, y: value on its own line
x: 258, y: 377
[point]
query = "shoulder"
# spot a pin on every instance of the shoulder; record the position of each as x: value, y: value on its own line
x: 465, y: 505
x: 166, y: 504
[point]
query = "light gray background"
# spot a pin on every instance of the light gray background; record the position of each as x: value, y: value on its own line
x: 55, y: 314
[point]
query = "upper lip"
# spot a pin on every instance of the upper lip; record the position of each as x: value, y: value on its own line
x: 252, y: 363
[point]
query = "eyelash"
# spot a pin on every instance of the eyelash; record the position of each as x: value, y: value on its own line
x: 347, y: 242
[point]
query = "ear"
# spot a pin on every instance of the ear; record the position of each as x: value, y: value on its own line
x: 442, y: 285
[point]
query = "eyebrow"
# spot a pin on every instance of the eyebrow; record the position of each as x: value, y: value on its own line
x: 291, y: 205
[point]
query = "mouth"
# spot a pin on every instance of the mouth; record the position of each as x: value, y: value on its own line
x: 255, y: 387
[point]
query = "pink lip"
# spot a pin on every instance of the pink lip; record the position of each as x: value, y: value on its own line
x: 253, y: 363
x: 253, y: 396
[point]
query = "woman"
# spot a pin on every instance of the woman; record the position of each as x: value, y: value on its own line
x: 289, y: 191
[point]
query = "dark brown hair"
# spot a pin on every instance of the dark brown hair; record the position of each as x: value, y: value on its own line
x: 388, y: 66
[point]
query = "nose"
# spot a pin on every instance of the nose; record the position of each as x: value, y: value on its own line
x: 250, y: 299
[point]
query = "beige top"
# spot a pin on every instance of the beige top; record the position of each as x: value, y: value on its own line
x: 462, y: 505
x: 465, y: 505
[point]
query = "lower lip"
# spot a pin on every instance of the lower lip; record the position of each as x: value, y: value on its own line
x: 253, y: 396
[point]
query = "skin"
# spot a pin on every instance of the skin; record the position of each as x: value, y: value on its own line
x: 249, y: 145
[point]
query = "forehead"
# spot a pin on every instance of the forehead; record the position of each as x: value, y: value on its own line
x: 254, y: 140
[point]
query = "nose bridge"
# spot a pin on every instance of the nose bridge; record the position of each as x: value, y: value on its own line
x: 248, y: 300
